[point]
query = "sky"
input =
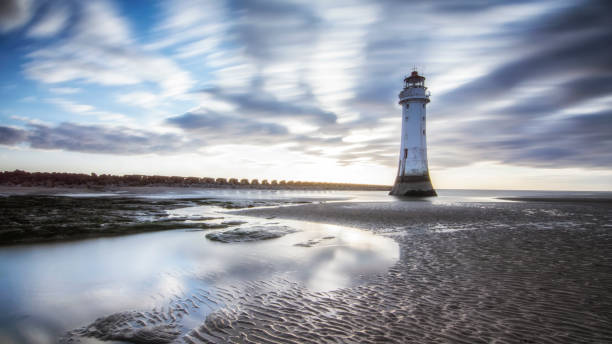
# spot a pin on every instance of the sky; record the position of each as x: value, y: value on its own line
x: 521, y: 91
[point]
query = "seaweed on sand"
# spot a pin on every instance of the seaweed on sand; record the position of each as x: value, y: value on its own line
x: 25, y: 219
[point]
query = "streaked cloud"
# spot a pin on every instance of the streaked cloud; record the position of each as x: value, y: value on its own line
x: 219, y: 127
x: 12, y: 136
x: 84, y: 109
x: 101, y: 50
x: 15, y: 13
x: 521, y: 83
x: 140, y: 98
x: 64, y: 90
x: 95, y: 139
x: 54, y: 20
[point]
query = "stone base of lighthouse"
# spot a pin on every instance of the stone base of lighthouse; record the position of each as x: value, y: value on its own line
x: 413, y: 186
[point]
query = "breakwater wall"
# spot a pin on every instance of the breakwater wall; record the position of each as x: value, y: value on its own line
x: 81, y: 180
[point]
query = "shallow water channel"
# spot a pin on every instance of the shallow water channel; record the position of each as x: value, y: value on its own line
x: 48, y: 289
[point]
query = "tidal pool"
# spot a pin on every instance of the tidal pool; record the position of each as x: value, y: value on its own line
x: 48, y: 289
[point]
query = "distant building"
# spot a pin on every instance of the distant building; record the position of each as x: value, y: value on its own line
x: 413, y: 173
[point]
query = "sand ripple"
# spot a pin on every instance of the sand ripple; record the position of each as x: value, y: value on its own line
x: 544, y: 278
x: 133, y: 327
x: 514, y: 273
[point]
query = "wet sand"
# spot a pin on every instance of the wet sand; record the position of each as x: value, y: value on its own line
x: 479, y: 272
x: 472, y: 273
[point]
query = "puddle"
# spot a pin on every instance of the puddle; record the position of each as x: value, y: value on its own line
x: 55, y: 287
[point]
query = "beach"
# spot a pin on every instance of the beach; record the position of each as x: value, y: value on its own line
x: 353, y: 268
x: 497, y: 272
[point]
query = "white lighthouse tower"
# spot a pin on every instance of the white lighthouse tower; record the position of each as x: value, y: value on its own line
x: 413, y: 174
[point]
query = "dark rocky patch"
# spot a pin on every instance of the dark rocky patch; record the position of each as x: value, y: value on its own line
x: 248, y: 234
x: 25, y: 219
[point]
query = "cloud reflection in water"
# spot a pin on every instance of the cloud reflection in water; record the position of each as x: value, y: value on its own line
x: 83, y: 280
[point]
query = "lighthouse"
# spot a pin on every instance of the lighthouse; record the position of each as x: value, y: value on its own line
x: 413, y: 174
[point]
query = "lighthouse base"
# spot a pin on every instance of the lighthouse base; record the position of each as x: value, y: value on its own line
x: 413, y: 186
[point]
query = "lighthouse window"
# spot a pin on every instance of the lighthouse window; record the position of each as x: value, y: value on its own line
x: 423, y: 131
x: 423, y: 105
x: 405, y: 153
